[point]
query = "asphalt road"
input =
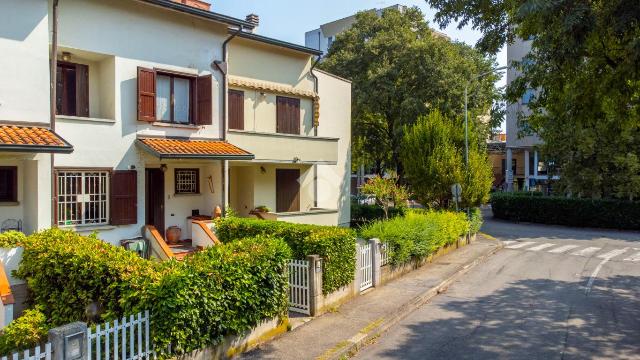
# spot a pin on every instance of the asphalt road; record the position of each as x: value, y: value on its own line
x: 551, y: 293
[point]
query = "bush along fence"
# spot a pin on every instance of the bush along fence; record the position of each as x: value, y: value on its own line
x: 603, y: 213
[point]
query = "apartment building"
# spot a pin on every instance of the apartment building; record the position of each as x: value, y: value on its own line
x: 164, y: 111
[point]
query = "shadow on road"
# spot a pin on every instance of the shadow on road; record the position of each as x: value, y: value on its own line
x: 528, y: 319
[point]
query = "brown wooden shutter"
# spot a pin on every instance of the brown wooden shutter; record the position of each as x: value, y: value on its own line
x: 288, y: 115
x: 205, y: 101
x: 82, y: 90
x: 236, y: 109
x: 287, y: 190
x: 146, y: 94
x: 124, y: 199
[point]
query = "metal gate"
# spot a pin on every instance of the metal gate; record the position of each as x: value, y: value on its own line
x: 35, y: 354
x: 299, y: 286
x: 124, y: 339
x: 366, y: 266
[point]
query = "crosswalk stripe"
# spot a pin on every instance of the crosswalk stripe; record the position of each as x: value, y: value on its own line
x: 635, y: 257
x: 541, y: 247
x: 562, y: 249
x: 613, y: 253
x: 520, y: 245
x: 586, y: 251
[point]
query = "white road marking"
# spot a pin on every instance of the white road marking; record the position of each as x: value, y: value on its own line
x: 586, y: 251
x: 562, y: 249
x: 520, y: 245
x: 606, y: 257
x: 508, y: 242
x: 541, y: 247
x: 613, y: 253
x: 635, y: 257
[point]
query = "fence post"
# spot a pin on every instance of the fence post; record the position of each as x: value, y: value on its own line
x: 376, y: 262
x: 357, y: 277
x: 315, y: 284
x: 69, y: 342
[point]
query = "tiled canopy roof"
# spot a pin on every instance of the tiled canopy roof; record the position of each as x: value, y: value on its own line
x: 31, y: 139
x: 496, y: 147
x: 184, y: 148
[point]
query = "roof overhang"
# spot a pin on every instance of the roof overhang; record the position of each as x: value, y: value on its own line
x: 276, y: 42
x: 204, y: 14
x: 32, y: 139
x: 189, y: 149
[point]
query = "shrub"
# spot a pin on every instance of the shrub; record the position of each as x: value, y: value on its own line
x: 222, y: 290
x: 335, y: 245
x: 602, y: 213
x: 11, y: 239
x: 25, y: 332
x: 363, y: 214
x: 475, y: 222
x: 417, y: 234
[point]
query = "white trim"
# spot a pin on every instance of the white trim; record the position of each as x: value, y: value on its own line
x: 175, y: 125
x: 307, y: 213
x: 89, y: 227
x: 84, y: 119
x: 283, y: 135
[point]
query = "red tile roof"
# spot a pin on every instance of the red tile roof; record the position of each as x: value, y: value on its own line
x: 31, y: 138
x: 187, y: 148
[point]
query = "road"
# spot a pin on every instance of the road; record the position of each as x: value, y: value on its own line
x: 551, y: 293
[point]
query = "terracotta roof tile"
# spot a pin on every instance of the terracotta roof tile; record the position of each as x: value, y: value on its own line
x: 25, y: 137
x: 187, y: 148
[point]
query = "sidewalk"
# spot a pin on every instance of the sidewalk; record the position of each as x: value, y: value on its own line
x: 334, y: 334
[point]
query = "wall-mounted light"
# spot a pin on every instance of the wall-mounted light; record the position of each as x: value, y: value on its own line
x: 66, y: 56
x: 263, y: 170
x: 296, y: 159
x: 163, y: 167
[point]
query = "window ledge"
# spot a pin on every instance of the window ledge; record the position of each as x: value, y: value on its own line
x: 85, y: 119
x: 191, y: 194
x: 86, y: 228
x: 9, y: 203
x: 308, y: 137
x: 307, y: 213
x: 172, y: 125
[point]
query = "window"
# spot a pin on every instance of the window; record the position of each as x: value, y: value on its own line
x: 288, y: 115
x: 236, y: 110
x: 528, y: 96
x: 8, y: 184
x: 187, y: 181
x: 82, y: 197
x: 330, y: 41
x: 72, y: 89
x: 174, y: 102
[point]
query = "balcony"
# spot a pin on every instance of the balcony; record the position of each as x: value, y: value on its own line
x: 285, y: 147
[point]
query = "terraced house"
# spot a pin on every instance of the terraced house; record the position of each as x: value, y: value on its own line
x: 163, y: 111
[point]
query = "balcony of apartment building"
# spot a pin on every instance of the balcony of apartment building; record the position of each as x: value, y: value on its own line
x: 276, y: 124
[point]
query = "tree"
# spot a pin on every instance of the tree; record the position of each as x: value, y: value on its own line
x: 387, y: 192
x: 400, y: 70
x: 433, y: 158
x: 584, y: 66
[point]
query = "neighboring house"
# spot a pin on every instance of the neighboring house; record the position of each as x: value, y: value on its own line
x: 322, y: 37
x: 528, y: 170
x: 142, y: 135
x: 496, y: 149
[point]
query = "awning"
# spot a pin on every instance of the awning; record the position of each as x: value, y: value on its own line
x: 185, y: 148
x: 32, y: 139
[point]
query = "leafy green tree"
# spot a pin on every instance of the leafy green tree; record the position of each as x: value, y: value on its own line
x: 584, y: 66
x: 387, y: 192
x: 433, y: 158
x: 400, y: 70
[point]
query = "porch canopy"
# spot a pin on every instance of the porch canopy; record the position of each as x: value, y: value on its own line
x: 34, y: 139
x: 186, y: 148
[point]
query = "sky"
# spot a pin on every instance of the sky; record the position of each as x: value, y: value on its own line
x: 288, y: 20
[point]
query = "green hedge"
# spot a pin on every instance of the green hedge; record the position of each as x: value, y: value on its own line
x: 11, y: 239
x: 24, y: 332
x: 364, y: 214
x: 615, y: 214
x: 335, y: 245
x: 475, y: 222
x: 417, y: 234
x: 222, y: 290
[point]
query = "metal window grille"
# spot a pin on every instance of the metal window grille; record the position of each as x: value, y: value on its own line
x: 83, y: 197
x: 186, y: 181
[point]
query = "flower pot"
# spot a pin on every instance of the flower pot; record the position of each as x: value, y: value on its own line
x: 173, y: 235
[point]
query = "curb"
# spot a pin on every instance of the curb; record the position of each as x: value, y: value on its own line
x: 351, y: 346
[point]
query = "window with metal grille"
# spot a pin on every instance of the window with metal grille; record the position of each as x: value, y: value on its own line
x: 187, y: 181
x: 83, y: 197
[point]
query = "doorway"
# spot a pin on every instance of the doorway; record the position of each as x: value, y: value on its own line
x: 154, y: 199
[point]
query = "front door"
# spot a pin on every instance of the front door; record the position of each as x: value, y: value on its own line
x: 154, y: 199
x: 287, y: 190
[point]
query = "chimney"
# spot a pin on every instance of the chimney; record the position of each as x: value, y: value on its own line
x: 198, y: 4
x: 253, y: 19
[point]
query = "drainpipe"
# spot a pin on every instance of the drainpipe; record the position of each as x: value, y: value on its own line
x: 223, y: 67
x: 315, y: 133
x: 315, y: 87
x: 53, y: 65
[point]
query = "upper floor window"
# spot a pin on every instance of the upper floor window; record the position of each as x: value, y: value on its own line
x: 8, y: 184
x: 528, y: 96
x: 330, y: 41
x: 288, y: 115
x: 174, y: 97
x: 236, y: 110
x: 72, y: 89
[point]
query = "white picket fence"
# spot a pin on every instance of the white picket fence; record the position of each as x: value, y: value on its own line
x: 124, y: 339
x: 299, y: 286
x: 34, y: 354
x: 366, y: 266
x: 384, y: 254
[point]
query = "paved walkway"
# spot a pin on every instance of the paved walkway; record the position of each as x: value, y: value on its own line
x: 330, y: 333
